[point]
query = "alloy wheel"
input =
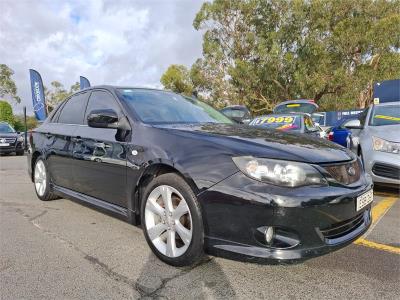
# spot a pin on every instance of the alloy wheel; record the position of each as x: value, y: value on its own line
x: 168, y: 221
x: 40, y: 177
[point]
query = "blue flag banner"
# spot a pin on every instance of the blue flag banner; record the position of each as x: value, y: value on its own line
x: 84, y: 82
x: 38, y: 100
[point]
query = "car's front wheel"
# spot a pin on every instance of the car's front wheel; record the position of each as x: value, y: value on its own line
x: 42, y: 181
x: 172, y: 220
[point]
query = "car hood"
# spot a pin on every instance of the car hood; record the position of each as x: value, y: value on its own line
x: 386, y: 132
x: 261, y: 142
x: 8, y: 134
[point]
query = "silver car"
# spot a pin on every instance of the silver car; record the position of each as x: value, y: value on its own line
x: 376, y: 139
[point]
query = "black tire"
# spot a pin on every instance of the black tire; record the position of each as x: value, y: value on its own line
x: 20, y: 152
x: 195, y: 251
x: 48, y: 194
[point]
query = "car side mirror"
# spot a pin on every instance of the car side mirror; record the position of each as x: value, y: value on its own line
x: 18, y: 132
x: 103, y: 118
x: 353, y: 124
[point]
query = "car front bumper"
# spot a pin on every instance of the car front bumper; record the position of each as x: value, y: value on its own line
x: 383, y: 167
x: 18, y: 146
x: 311, y: 221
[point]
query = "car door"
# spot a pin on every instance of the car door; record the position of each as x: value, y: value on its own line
x: 99, y: 158
x: 58, y: 135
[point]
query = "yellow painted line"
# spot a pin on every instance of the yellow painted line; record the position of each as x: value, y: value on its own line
x: 378, y: 211
x: 377, y: 246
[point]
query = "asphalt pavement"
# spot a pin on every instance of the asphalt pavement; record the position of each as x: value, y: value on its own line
x: 64, y: 250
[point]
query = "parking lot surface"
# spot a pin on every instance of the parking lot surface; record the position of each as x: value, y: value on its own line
x: 62, y: 249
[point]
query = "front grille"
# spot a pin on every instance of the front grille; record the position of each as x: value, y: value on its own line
x: 345, y: 173
x: 343, y: 228
x: 387, y: 171
x: 7, y: 140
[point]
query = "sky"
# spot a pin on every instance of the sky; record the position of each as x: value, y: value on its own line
x: 113, y: 42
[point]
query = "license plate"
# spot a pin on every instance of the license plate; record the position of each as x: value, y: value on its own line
x: 365, y: 199
x: 4, y: 144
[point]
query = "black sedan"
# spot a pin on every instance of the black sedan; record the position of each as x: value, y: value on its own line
x: 197, y: 182
x: 11, y: 141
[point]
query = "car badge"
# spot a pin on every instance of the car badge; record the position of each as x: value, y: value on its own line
x: 2, y: 140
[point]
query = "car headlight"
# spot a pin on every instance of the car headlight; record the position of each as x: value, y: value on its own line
x: 20, y: 139
x: 385, y: 146
x: 278, y: 172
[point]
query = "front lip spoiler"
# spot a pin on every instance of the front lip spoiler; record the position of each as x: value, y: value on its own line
x: 256, y: 254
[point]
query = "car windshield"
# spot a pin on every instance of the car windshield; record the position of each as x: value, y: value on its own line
x: 385, y: 115
x: 280, y: 122
x: 163, y: 107
x: 5, y: 128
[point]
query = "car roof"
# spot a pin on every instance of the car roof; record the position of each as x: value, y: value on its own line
x: 113, y: 87
x: 284, y: 114
x: 396, y: 103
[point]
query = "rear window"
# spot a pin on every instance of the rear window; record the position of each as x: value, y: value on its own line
x: 280, y: 122
x: 296, y: 107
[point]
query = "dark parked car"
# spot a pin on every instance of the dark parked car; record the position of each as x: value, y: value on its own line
x: 238, y: 113
x: 290, y: 122
x: 11, y: 141
x: 196, y: 181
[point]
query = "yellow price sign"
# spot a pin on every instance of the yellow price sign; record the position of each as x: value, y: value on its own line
x: 288, y: 119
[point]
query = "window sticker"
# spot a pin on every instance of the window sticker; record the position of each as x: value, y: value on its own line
x: 274, y: 120
x: 390, y: 118
x: 287, y: 127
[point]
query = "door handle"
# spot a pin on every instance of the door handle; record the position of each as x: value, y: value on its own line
x: 76, y: 139
x: 102, y: 145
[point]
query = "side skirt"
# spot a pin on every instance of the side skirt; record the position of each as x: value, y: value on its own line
x: 120, y: 211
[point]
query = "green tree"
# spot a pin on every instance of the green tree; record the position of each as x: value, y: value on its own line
x: 7, y: 84
x: 259, y: 53
x: 57, y: 93
x: 18, y: 124
x: 6, y: 112
x: 31, y: 122
x: 177, y: 78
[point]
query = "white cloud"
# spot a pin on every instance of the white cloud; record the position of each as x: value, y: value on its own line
x: 109, y: 42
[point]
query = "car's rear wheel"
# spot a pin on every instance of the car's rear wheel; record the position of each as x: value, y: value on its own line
x: 41, y: 181
x: 172, y: 220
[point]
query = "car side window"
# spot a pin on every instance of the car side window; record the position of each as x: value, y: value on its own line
x: 101, y: 100
x: 344, y: 124
x: 308, y: 122
x: 73, y: 111
x: 57, y: 111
